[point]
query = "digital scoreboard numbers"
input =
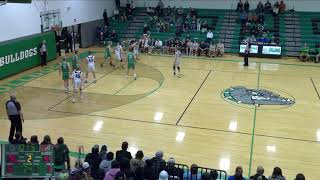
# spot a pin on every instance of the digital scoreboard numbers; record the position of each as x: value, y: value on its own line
x: 26, y: 161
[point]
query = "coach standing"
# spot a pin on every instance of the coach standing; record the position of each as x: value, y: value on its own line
x: 14, y: 115
x: 43, y: 53
x: 246, y: 54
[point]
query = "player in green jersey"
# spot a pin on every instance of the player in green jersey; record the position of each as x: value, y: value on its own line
x: 107, y: 55
x: 64, y: 70
x: 131, y: 62
x: 75, y: 60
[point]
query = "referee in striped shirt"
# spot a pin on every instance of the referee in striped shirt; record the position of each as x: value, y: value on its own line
x: 15, y: 115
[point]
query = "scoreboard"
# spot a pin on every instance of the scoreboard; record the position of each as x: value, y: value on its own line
x: 26, y: 161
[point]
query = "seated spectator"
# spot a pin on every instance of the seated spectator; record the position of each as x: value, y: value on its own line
x: 146, y: 29
x: 204, y: 27
x: 149, y: 171
x: 158, y: 46
x: 106, y: 162
x: 246, y: 6
x: 18, y: 139
x: 199, y: 25
x: 267, y: 7
x: 275, y: 9
x: 115, y: 168
x: 158, y: 162
x: 103, y: 151
x: 34, y: 140
x: 203, y: 48
x: 282, y: 7
x: 212, y: 50
x: 175, y: 172
x: 317, y: 54
x: 46, y: 140
x: 259, y: 7
x: 125, y: 168
x: 123, y: 153
x: 237, y: 175
x: 239, y: 6
x: 116, y: 13
x: 86, y: 175
x: 94, y: 160
x: 163, y: 175
x: 259, y: 174
x: 195, y: 48
x: 180, y: 11
x: 304, y: 54
x: 277, y: 174
x: 220, y: 49
x: 61, y: 155
x: 209, y: 36
x: 114, y: 36
x: 192, y: 174
x: 137, y: 162
x: 300, y: 177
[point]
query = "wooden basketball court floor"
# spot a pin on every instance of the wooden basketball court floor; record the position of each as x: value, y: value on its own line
x: 187, y: 117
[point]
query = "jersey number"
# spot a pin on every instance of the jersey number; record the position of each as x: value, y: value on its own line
x: 77, y: 75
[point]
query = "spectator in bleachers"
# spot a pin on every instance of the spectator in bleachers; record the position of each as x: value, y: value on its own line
x: 125, y: 168
x: 158, y: 162
x: 46, y: 140
x: 246, y: 6
x: 163, y: 175
x: 203, y: 48
x: 176, y: 172
x: 304, y: 54
x: 105, y: 17
x: 277, y: 174
x: 214, y: 175
x: 146, y: 29
x: 94, y: 160
x: 267, y: 7
x: 198, y: 25
x: 192, y: 174
x: 114, y: 36
x: 243, y: 18
x: 137, y: 162
x: 189, y: 49
x: 116, y: 13
x: 103, y: 151
x: 34, y: 140
x: 158, y: 45
x: 18, y: 139
x: 86, y: 175
x: 195, y: 48
x: 180, y: 12
x: 275, y: 10
x: 259, y: 174
x: 300, y: 177
x: 204, y: 27
x: 209, y: 36
x: 123, y: 152
x: 205, y: 176
x: 237, y: 175
x: 115, y: 168
x: 212, y: 50
x: 106, y: 162
x: 239, y: 6
x: 61, y: 155
x: 220, y: 49
x: 149, y: 171
x: 120, y: 176
x: 282, y: 7
x: 259, y: 7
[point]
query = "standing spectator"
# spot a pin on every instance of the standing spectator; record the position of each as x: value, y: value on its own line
x: 43, y: 53
x: 61, y: 155
x: 282, y: 7
x: 158, y: 162
x: 137, y: 162
x: 277, y: 174
x: 259, y: 173
x: 103, y: 151
x: 173, y: 171
x: 246, y: 6
x: 34, y: 140
x: 149, y: 171
x: 46, y: 140
x: 123, y: 153
x: 268, y: 7
x: 237, y: 175
x: 115, y: 168
x: 106, y: 162
x: 300, y: 177
x: 192, y: 174
x: 15, y: 115
x: 118, y: 4
x: 18, y: 139
x: 239, y: 6
x: 105, y: 17
x: 125, y: 168
x: 94, y: 160
x: 259, y: 7
x: 209, y: 36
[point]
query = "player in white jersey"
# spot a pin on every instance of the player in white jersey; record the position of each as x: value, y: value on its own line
x: 77, y: 79
x: 118, y: 50
x: 91, y: 66
x: 177, y: 62
x: 135, y: 49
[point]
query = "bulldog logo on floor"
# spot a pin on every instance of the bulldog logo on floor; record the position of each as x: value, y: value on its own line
x: 257, y: 97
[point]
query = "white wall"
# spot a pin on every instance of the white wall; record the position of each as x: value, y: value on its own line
x: 299, y: 5
x: 19, y: 20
